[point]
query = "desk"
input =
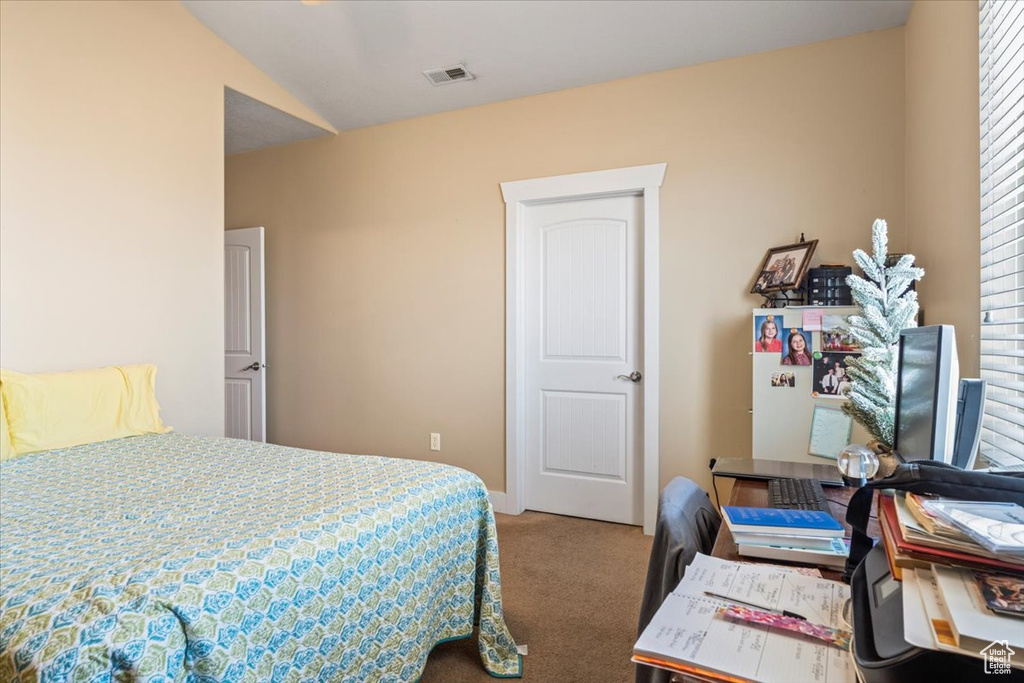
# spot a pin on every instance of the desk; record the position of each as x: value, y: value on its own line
x: 750, y: 493
x: 753, y: 493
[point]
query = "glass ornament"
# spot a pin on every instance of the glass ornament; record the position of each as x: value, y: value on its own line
x: 857, y: 464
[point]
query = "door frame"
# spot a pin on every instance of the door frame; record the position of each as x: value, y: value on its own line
x: 642, y: 180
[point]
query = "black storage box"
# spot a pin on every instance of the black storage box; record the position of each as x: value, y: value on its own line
x: 827, y: 286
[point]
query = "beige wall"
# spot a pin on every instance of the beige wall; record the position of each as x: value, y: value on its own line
x: 111, y: 174
x: 385, y: 266
x: 943, y: 167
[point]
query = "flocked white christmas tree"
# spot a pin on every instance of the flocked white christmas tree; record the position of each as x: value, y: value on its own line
x: 887, y: 305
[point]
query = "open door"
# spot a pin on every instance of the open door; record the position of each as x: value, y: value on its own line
x: 245, y: 374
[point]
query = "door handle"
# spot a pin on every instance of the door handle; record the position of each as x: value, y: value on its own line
x: 634, y: 376
x: 256, y: 365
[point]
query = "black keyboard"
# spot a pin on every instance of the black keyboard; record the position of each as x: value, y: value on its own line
x: 797, y: 494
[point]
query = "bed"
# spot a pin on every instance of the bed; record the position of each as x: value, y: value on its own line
x: 171, y: 557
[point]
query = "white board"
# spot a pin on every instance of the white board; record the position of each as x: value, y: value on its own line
x: 782, y: 415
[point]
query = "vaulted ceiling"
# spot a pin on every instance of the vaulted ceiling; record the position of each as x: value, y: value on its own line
x: 361, y: 63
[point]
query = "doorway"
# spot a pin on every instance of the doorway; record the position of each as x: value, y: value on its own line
x: 245, y: 347
x: 582, y: 344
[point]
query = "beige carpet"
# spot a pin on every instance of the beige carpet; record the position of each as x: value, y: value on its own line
x: 571, y: 589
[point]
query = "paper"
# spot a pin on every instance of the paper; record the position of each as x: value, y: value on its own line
x: 812, y: 321
x: 999, y: 527
x: 688, y: 628
x: 830, y: 431
x: 938, y: 618
x: 806, y: 571
x: 942, y: 634
x: 916, y: 630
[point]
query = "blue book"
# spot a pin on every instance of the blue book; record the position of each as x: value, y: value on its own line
x: 781, y: 521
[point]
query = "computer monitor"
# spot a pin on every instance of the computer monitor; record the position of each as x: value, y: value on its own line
x: 927, y: 383
x: 970, y: 410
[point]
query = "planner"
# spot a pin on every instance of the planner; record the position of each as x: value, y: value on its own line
x: 690, y: 634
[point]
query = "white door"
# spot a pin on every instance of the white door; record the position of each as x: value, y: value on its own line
x: 583, y: 412
x: 245, y: 375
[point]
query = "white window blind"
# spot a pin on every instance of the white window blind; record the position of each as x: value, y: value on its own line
x: 1001, y: 32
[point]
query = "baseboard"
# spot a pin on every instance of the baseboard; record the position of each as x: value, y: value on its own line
x: 497, y: 500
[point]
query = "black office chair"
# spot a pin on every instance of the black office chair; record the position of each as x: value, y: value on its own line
x: 687, y: 524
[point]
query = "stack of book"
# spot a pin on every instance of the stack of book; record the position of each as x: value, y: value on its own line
x: 807, y: 536
x: 920, y: 531
x: 961, y: 564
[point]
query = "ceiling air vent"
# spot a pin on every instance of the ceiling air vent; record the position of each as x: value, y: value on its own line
x: 449, y: 74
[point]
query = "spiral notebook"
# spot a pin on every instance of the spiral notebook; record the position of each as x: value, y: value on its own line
x: 690, y: 634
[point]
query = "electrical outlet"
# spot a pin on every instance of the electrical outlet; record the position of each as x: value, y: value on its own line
x: 435, y: 441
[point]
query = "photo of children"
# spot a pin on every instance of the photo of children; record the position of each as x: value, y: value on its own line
x: 796, y: 346
x: 831, y: 379
x: 766, y: 334
x: 835, y: 335
x: 783, y: 379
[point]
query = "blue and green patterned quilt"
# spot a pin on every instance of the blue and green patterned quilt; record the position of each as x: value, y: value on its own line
x: 182, y: 558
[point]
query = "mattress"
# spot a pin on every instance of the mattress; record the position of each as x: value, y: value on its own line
x: 174, y: 557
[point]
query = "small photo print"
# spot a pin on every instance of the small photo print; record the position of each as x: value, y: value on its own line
x: 796, y: 346
x: 1003, y: 594
x: 831, y: 379
x: 783, y: 379
x: 836, y: 336
x: 766, y: 334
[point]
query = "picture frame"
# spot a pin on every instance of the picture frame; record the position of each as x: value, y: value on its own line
x: 783, y: 268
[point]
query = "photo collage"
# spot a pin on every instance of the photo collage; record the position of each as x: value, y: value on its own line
x: 794, y: 346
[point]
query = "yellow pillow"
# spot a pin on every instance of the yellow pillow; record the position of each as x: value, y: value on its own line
x: 6, y: 449
x: 60, y: 409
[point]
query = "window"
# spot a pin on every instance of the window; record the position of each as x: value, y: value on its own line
x: 1001, y: 31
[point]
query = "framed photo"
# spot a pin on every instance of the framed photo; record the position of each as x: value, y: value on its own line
x: 784, y: 267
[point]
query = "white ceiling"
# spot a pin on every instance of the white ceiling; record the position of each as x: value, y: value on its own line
x: 360, y: 63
